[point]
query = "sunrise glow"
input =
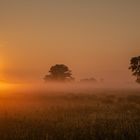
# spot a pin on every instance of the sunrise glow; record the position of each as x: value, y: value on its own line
x: 69, y: 69
x: 5, y: 86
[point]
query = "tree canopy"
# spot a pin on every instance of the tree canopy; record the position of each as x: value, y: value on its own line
x: 59, y: 72
x: 135, y: 67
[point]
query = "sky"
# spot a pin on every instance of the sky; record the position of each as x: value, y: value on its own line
x: 95, y: 38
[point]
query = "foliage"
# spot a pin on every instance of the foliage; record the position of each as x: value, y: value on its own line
x: 59, y: 72
x: 135, y: 67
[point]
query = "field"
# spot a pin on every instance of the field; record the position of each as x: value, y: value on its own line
x: 87, y: 115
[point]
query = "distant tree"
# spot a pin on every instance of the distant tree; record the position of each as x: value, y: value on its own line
x: 59, y: 72
x: 88, y: 80
x: 135, y: 67
x: 102, y: 80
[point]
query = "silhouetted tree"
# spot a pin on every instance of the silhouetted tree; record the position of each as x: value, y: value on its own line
x: 135, y: 67
x: 88, y: 80
x: 59, y: 72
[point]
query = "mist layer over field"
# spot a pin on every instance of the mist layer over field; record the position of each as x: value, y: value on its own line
x: 70, y: 112
x: 74, y: 87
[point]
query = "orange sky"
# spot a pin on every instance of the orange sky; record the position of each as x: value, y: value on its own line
x: 95, y: 38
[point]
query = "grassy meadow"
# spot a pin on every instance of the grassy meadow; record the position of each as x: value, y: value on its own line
x: 86, y: 115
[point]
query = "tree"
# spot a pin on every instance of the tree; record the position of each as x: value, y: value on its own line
x: 88, y: 80
x: 135, y: 67
x: 59, y: 72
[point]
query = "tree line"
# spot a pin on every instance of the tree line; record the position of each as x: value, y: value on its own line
x: 62, y: 73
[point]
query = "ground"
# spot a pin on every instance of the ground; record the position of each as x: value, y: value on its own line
x: 87, y: 115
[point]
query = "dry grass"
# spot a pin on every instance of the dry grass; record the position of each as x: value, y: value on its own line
x: 113, y: 115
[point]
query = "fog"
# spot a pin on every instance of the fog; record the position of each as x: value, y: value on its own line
x: 53, y: 88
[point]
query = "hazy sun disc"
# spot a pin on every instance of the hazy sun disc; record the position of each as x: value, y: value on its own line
x: 6, y: 86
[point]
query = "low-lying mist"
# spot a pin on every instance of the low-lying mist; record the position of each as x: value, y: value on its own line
x: 52, y: 111
x: 64, y: 88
